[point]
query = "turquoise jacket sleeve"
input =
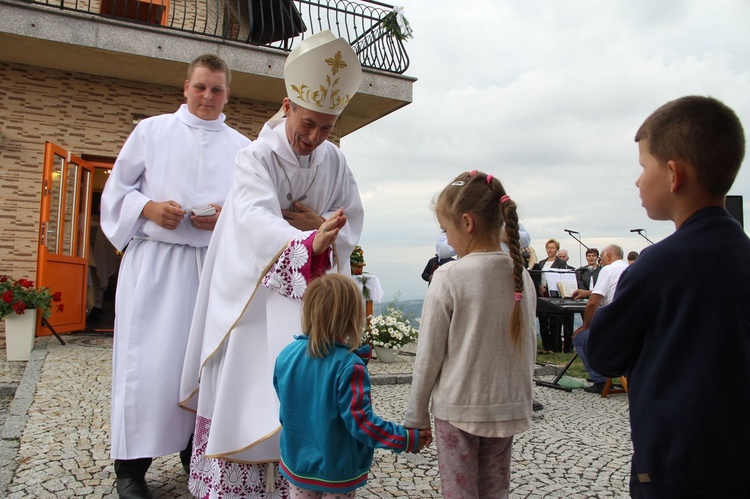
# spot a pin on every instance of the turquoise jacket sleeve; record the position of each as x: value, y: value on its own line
x: 360, y: 420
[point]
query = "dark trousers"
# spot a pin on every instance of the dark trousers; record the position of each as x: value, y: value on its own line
x: 549, y: 330
x: 134, y: 468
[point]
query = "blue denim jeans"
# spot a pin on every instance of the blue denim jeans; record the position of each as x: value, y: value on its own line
x: 579, y: 342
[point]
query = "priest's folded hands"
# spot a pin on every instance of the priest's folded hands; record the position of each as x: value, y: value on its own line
x: 302, y: 217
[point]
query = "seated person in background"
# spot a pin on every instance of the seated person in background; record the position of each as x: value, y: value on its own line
x: 587, y: 275
x: 632, y: 257
x: 612, y: 267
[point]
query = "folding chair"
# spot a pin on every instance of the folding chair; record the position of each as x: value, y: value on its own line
x: 608, y: 387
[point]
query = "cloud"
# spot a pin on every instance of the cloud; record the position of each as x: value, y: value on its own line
x: 547, y: 96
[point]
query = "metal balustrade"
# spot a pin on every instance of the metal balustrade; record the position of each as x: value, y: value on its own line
x: 278, y: 24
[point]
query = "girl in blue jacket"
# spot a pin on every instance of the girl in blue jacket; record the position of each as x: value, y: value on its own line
x: 329, y: 430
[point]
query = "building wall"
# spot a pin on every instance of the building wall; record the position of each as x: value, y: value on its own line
x: 88, y: 115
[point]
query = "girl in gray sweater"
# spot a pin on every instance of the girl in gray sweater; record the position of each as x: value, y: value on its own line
x: 477, y: 341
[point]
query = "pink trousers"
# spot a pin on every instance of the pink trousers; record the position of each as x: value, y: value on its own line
x: 471, y: 466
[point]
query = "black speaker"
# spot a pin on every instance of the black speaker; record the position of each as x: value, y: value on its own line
x: 734, y: 207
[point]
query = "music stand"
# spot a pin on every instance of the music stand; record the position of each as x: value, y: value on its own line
x: 555, y: 382
x: 560, y: 308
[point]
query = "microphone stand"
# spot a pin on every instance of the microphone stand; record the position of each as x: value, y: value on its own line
x: 640, y: 233
x: 570, y: 233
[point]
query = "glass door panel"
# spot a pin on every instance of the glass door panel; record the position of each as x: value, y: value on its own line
x: 69, y: 215
x: 83, y: 209
x: 62, y: 263
x: 52, y: 235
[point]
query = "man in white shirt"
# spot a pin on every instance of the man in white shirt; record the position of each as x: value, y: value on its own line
x: 603, y: 293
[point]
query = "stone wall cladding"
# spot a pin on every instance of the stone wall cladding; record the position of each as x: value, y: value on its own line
x: 86, y: 114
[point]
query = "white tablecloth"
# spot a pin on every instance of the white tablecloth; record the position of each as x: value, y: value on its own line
x: 372, y: 284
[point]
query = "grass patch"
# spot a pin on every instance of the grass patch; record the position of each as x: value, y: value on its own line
x: 576, y: 370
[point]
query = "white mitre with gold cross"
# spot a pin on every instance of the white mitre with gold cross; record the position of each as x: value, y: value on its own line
x: 322, y: 73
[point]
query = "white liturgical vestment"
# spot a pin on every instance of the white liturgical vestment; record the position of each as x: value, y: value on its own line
x: 240, y: 323
x: 182, y: 158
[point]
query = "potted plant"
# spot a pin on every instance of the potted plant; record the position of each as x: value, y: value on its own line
x: 388, y: 332
x: 20, y: 302
x: 357, y: 260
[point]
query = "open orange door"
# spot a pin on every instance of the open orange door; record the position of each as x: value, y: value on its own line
x: 62, y: 264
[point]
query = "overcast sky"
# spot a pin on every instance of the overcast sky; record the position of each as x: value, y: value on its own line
x: 547, y: 96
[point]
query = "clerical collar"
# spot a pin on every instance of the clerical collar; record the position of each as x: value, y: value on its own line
x: 191, y: 120
x: 303, y: 160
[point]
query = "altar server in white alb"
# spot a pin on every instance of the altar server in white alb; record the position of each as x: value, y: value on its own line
x: 294, y: 213
x: 170, y: 165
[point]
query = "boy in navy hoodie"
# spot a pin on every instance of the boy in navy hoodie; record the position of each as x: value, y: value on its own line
x: 680, y: 323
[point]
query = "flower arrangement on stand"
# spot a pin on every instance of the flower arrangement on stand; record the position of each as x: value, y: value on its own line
x: 357, y: 260
x: 390, y: 331
x: 17, y: 296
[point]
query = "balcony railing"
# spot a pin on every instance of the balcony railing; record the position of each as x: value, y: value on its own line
x: 272, y: 23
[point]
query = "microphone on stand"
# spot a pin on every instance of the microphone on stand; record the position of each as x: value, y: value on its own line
x: 640, y: 233
x: 577, y: 236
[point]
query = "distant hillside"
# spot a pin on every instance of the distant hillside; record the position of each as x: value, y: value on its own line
x: 412, y: 309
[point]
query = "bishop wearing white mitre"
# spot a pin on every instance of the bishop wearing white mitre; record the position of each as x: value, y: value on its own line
x: 289, y: 188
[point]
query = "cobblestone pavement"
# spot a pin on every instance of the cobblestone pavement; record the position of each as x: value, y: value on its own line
x: 56, y: 433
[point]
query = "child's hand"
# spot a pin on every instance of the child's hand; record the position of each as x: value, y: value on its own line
x: 425, y: 438
x: 327, y: 232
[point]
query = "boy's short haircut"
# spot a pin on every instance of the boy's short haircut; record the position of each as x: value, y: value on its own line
x: 702, y: 131
x: 213, y: 63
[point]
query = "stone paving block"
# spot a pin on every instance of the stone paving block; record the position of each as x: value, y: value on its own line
x: 579, y: 446
x: 14, y: 426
